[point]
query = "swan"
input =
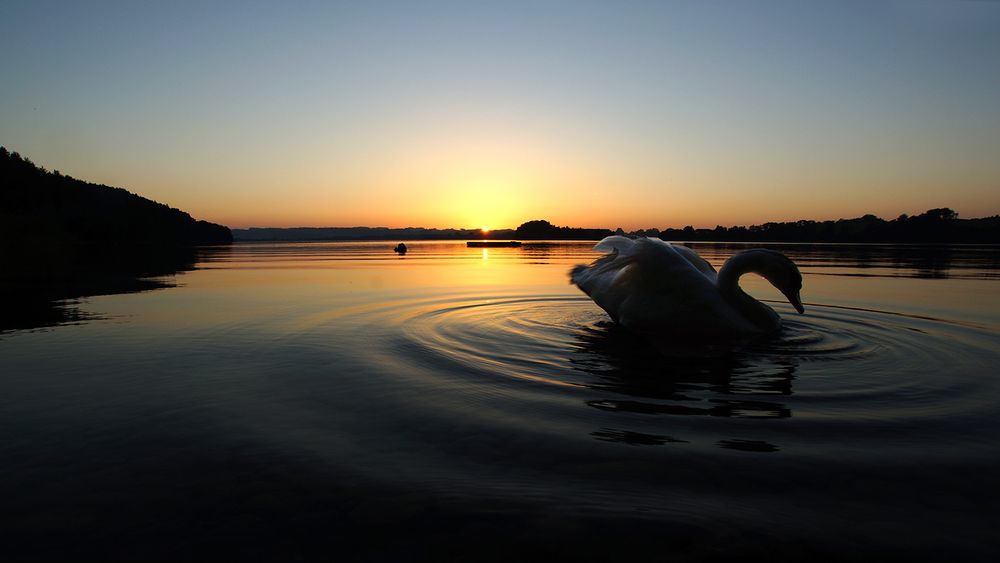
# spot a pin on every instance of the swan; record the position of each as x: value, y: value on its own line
x: 648, y: 285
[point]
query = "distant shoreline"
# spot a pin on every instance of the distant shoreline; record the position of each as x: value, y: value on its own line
x: 940, y: 225
x: 553, y: 242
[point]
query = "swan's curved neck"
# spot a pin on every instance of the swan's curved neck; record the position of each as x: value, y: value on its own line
x: 729, y: 287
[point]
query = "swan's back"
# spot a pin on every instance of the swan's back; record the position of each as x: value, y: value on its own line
x: 649, y: 284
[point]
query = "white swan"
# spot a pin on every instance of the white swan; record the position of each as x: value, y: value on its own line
x: 649, y: 285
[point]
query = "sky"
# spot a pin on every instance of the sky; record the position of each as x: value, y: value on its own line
x: 489, y: 114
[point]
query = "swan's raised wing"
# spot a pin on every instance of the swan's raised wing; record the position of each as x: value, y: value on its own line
x: 616, y: 243
x: 643, y: 277
x: 625, y: 246
x: 696, y: 261
x: 658, y: 260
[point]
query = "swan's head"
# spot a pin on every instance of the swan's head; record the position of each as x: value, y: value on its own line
x: 782, y: 273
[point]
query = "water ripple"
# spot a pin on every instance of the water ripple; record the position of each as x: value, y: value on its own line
x: 831, y: 366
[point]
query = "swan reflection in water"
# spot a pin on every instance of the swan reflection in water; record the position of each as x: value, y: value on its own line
x: 631, y: 367
x: 717, y: 380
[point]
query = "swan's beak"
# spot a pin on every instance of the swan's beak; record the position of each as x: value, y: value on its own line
x: 796, y: 301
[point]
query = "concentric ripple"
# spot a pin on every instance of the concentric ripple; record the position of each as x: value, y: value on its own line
x: 832, y: 366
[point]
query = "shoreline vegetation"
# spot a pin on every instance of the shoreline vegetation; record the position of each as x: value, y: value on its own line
x: 44, y: 208
x: 940, y: 225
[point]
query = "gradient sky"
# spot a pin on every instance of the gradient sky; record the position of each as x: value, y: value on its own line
x: 467, y: 114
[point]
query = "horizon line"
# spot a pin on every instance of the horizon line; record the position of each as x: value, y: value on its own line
x: 494, y: 229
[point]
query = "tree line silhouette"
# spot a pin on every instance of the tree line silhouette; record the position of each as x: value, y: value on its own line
x: 940, y: 225
x: 933, y: 226
x: 42, y: 206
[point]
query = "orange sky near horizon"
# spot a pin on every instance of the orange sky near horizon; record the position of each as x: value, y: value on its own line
x: 502, y: 201
x: 462, y: 183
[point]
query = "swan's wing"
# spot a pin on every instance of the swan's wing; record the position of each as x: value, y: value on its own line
x: 615, y: 243
x: 696, y: 261
x: 645, y: 279
x: 671, y: 262
x: 626, y: 247
x: 656, y: 260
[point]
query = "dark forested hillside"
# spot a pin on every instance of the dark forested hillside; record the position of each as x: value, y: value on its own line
x: 39, y: 206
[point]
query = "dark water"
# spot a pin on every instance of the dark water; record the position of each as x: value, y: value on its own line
x: 332, y: 401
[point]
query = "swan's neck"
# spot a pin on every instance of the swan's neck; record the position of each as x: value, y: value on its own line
x: 728, y: 280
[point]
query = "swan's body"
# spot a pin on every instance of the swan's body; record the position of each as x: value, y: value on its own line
x: 649, y: 285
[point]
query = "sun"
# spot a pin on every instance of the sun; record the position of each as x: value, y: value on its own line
x: 485, y: 230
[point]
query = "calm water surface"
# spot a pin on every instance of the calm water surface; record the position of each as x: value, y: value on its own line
x: 333, y: 400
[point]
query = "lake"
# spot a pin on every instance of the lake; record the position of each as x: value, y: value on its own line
x: 303, y: 401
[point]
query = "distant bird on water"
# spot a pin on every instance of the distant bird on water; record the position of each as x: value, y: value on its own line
x: 648, y: 285
x: 400, y: 248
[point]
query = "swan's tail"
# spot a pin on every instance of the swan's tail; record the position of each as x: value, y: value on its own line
x: 586, y: 276
x: 616, y: 246
x: 597, y: 279
x: 619, y: 252
x: 581, y: 274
